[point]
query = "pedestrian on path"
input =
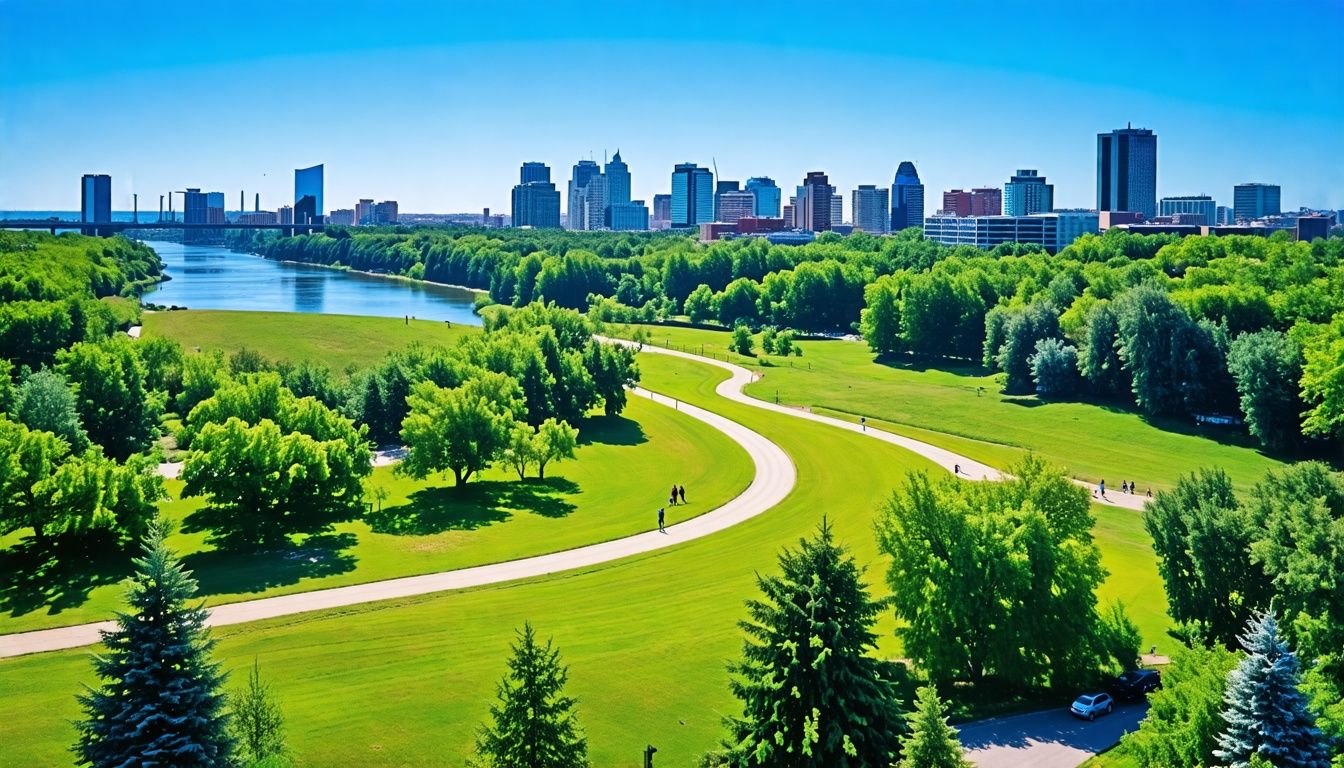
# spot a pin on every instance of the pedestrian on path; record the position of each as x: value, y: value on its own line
x: 1101, y: 488
x: 681, y: 491
x: 660, y: 521
x: 672, y: 497
x: 956, y: 469
x: 863, y: 423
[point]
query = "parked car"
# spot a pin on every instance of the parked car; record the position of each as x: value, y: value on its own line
x: 1135, y: 684
x: 1089, y: 705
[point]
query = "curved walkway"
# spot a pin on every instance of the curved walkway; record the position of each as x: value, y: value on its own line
x: 774, y: 479
x: 970, y: 469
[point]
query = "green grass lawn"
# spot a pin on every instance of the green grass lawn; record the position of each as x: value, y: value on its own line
x: 646, y: 638
x: 620, y: 477
x: 337, y: 341
x: 961, y: 409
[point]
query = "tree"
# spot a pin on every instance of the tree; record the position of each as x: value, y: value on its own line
x: 1265, y: 712
x: 555, y: 441
x: 1169, y: 355
x: 942, y: 315
x: 768, y: 340
x: 700, y: 304
x: 880, y: 321
x: 462, y: 429
x: 784, y: 344
x: 932, y: 743
x: 1054, y: 368
x: 737, y: 303
x: 1185, y: 714
x: 1100, y: 362
x: 613, y: 370
x: 742, y: 343
x: 256, y: 723
x: 44, y: 402
x: 110, y: 395
x: 1022, y: 329
x: 1323, y: 377
x: 1267, y: 366
x: 812, y: 693
x: 521, y: 452
x: 160, y: 702
x: 28, y: 460
x: 533, y: 723
x: 996, y: 579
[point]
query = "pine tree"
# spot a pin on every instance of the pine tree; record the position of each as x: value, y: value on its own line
x: 161, y: 701
x: 812, y: 693
x: 1266, y: 713
x: 256, y: 722
x: 534, y: 724
x: 932, y: 743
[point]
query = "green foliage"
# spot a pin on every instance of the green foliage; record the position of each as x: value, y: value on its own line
x: 256, y: 724
x: 1323, y: 377
x: 1185, y: 715
x: 533, y: 722
x: 738, y: 302
x: 996, y: 579
x: 942, y: 315
x: 812, y: 693
x: 1022, y: 329
x: 162, y: 361
x: 931, y: 743
x: 784, y: 344
x: 462, y: 429
x: 44, y: 402
x: 1054, y: 368
x: 110, y: 393
x: 742, y: 342
x: 160, y: 702
x: 555, y: 441
x: 880, y: 321
x: 700, y: 304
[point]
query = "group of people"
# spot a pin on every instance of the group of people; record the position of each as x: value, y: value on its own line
x: 1126, y: 486
x: 677, y: 492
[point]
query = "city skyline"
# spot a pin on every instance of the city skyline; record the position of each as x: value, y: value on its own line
x: 443, y: 124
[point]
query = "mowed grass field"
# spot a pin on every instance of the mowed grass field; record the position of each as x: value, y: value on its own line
x: 961, y: 409
x: 337, y: 341
x: 646, y: 638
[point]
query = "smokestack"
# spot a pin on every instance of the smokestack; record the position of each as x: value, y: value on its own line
x: 257, y: 204
x: 241, y: 207
x: 160, y: 207
x: 135, y: 208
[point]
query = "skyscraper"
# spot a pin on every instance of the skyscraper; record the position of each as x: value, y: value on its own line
x: 767, y: 195
x: 735, y: 204
x: 95, y: 200
x: 1199, y: 205
x: 618, y: 180
x: 308, y: 195
x: 981, y: 201
x: 692, y: 195
x: 907, y: 198
x: 837, y: 208
x: 1027, y: 193
x: 582, y: 192
x: 870, y: 209
x: 364, y: 211
x: 633, y: 215
x: 536, y: 203
x: 1255, y: 200
x: 813, y: 210
x: 662, y: 212
x: 1127, y: 171
x: 386, y: 212
x: 721, y: 188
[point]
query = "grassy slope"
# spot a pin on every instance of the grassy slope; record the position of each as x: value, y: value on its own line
x: 621, y: 473
x: 961, y: 410
x: 338, y: 341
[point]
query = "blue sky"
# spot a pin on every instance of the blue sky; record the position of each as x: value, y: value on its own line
x: 437, y: 104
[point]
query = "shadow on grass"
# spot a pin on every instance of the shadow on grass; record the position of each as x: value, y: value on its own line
x: 921, y: 364
x: 59, y: 574
x: 476, y: 505
x: 611, y: 430
x: 229, y: 571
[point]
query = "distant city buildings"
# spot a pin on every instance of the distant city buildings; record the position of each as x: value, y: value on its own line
x: 907, y: 198
x: 1026, y: 193
x: 838, y: 212
x: 736, y: 204
x: 95, y: 200
x: 812, y: 211
x: 1053, y: 231
x: 870, y: 209
x: 982, y: 201
x: 768, y: 196
x: 587, y: 196
x: 1127, y: 171
x: 1255, y: 201
x: 386, y: 212
x: 308, y: 195
x: 1225, y: 215
x: 662, y: 212
x: 633, y: 216
x: 722, y: 188
x: 285, y: 215
x: 261, y: 217
x: 536, y: 201
x: 1202, y: 208
x: 364, y: 211
x: 341, y: 217
x: 692, y: 195
x: 1311, y: 227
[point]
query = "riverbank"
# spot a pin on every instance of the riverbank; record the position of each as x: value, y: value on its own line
x: 477, y: 292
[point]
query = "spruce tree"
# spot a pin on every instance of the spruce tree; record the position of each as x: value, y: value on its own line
x: 534, y: 724
x: 161, y: 701
x: 1265, y: 712
x: 256, y: 722
x: 812, y: 693
x: 932, y: 743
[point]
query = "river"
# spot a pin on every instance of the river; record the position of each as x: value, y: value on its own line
x: 210, y: 277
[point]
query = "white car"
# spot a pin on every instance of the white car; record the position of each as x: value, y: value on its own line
x: 1089, y: 705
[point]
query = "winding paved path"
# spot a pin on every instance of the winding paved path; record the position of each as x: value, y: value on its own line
x: 774, y: 479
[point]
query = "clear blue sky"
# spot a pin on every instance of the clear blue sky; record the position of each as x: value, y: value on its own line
x: 436, y: 104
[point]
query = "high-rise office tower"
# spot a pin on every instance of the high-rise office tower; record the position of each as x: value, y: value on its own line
x: 837, y: 208
x: 870, y: 209
x: 907, y: 198
x: 364, y: 211
x: 580, y: 194
x: 618, y: 180
x: 536, y: 203
x: 722, y: 187
x: 1198, y: 205
x: 386, y: 212
x: 813, y: 209
x: 692, y: 195
x: 631, y: 216
x: 981, y: 201
x: 767, y: 194
x: 662, y: 212
x: 1127, y: 171
x: 735, y: 204
x: 1027, y: 193
x: 1255, y: 201
x: 308, y: 195
x: 95, y: 200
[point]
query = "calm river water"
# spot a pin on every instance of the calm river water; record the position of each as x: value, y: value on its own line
x: 209, y: 277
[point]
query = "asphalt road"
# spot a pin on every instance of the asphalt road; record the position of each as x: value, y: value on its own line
x: 1051, y: 738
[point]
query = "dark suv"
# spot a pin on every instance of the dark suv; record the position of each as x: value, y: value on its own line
x: 1135, y: 684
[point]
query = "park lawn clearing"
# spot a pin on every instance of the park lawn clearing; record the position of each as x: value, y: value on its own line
x: 624, y: 468
x: 336, y: 341
x: 1090, y: 441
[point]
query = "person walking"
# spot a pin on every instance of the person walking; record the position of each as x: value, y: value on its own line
x: 863, y: 423
x: 1101, y: 488
x: 1124, y: 486
x: 956, y: 469
x: 681, y: 491
x: 672, y: 497
x: 661, y: 529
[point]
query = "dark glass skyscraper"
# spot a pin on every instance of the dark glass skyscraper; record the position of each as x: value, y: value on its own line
x: 536, y: 201
x: 534, y: 172
x: 308, y: 195
x: 767, y: 195
x: 1127, y: 171
x: 907, y: 198
x: 618, y: 180
x: 95, y: 200
x: 815, y: 201
x: 692, y: 195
